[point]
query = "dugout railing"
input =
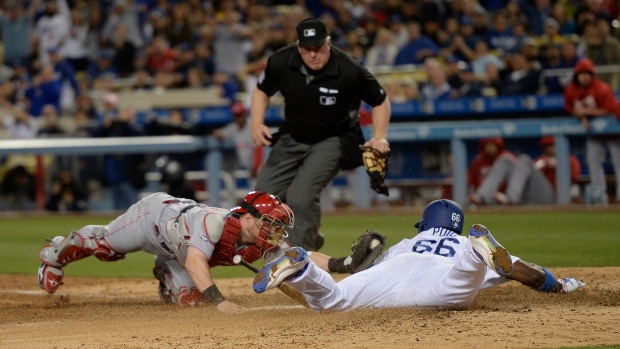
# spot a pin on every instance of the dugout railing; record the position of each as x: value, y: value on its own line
x: 456, y: 133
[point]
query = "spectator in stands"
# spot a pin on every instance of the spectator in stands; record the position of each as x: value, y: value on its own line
x: 392, y: 90
x: 552, y: 60
x: 480, y: 18
x: 249, y: 156
x: 52, y: 28
x: 409, y: 88
x: 66, y: 194
x: 453, y: 71
x: 601, y: 47
x: 249, y: 75
x: 463, y: 45
x: 396, y: 26
x: 180, y: 30
x: 103, y: 66
x: 85, y: 103
x: 417, y: 49
x: 437, y: 87
x: 559, y: 13
x: 19, y: 123
x: 536, y: 14
x: 123, y: 12
x: 470, y: 86
x: 16, y: 30
x: 568, y: 54
x: 66, y: 74
x: 184, y: 62
x: 160, y: 56
x: 384, y: 50
x: 586, y: 98
x: 76, y: 46
x: 276, y: 39
x: 520, y: 36
x: 45, y: 89
x: 123, y: 173
x: 227, y: 87
x: 533, y: 181
x: 124, y: 52
x: 446, y: 37
x: 487, y: 171
x: 483, y: 58
x: 500, y: 36
x: 514, y: 14
x: 523, y: 78
x: 93, y: 37
x: 551, y: 33
x: 231, y: 37
x: 50, y: 127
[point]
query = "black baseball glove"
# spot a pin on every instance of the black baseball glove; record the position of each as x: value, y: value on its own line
x: 376, y: 164
x: 365, y: 250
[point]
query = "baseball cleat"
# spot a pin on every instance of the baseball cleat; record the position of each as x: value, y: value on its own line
x: 50, y: 277
x: 49, y: 254
x: 494, y: 255
x: 291, y: 264
x: 571, y: 284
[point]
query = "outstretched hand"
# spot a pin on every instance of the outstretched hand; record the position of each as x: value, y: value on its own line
x: 571, y: 285
x: 228, y: 307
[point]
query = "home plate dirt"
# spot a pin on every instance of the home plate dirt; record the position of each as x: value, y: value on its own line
x: 127, y: 313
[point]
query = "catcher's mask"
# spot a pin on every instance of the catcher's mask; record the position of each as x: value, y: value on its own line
x: 442, y: 214
x: 376, y: 164
x: 274, y: 217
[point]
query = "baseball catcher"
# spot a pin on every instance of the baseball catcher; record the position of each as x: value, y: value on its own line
x: 438, y: 268
x: 188, y: 239
x: 376, y: 164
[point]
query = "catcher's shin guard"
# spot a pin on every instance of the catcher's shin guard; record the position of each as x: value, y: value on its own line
x: 74, y: 247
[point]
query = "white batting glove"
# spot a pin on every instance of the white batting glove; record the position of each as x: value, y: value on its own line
x: 571, y: 285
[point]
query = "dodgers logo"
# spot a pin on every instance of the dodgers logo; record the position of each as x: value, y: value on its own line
x: 328, y: 100
x: 309, y: 32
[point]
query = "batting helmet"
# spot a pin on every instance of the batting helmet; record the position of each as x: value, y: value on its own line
x: 275, y: 216
x: 442, y: 214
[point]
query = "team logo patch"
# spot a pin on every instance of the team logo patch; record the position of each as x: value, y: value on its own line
x: 309, y: 32
x: 328, y: 100
x: 204, y: 238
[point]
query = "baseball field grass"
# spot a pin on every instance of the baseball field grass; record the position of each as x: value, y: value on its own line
x: 549, y: 238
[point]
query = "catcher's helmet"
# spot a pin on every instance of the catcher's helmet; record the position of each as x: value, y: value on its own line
x: 442, y: 214
x: 275, y: 216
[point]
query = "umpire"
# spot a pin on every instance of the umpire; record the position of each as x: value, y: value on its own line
x: 323, y: 88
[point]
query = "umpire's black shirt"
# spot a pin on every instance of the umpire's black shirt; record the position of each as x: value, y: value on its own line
x: 321, y: 106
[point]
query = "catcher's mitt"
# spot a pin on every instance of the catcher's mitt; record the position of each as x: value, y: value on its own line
x: 365, y: 250
x: 376, y: 164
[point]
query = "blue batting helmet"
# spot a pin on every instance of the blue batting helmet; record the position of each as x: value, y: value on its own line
x: 442, y: 214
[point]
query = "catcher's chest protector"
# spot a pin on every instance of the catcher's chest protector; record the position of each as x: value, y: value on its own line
x: 226, y: 248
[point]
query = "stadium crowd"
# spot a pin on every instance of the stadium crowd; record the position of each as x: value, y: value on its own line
x: 56, y: 53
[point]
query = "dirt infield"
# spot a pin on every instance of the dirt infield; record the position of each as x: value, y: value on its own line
x: 126, y: 313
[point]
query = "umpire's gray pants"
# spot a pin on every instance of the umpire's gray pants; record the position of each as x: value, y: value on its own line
x: 595, y: 157
x: 297, y: 173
